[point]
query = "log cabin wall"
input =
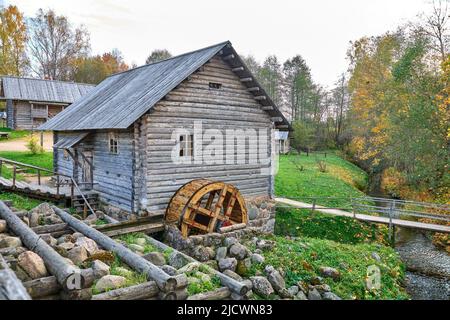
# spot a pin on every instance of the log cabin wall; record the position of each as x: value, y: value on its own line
x: 22, y: 115
x: 112, y: 173
x: 231, y: 106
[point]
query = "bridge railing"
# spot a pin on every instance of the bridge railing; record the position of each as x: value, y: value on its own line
x: 391, y: 208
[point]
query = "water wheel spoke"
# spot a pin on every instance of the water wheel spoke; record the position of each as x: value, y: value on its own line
x: 201, y: 210
x: 200, y: 204
x: 229, y: 209
x: 197, y: 225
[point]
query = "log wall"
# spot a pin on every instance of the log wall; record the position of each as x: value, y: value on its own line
x: 230, y: 107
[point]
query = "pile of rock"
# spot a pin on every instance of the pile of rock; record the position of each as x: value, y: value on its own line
x: 43, y: 214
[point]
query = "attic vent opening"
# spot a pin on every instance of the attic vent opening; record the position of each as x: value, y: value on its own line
x: 215, y: 85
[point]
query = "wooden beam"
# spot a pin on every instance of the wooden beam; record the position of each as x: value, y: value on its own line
x: 284, y: 126
x: 260, y: 97
x: 276, y: 119
x: 267, y: 108
x: 55, y: 263
x: 164, y: 281
x: 238, y: 69
x: 254, y: 89
x: 229, y: 57
x: 249, y: 79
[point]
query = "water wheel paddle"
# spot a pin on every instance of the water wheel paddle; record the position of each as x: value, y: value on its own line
x: 204, y: 206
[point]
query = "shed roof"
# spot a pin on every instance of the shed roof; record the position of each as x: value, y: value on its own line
x: 29, y: 89
x: 121, y: 99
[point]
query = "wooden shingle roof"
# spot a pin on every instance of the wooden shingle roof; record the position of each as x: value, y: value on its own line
x: 121, y: 99
x: 29, y: 89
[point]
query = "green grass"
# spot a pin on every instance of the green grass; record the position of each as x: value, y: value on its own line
x: 341, y: 179
x: 14, y: 134
x: 44, y: 160
x: 302, y: 258
x: 20, y: 202
x: 304, y: 223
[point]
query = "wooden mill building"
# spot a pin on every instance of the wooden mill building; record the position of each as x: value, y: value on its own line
x: 31, y: 102
x: 120, y: 136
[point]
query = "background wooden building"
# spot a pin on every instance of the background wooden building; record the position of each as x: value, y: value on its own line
x: 119, y: 136
x: 31, y: 102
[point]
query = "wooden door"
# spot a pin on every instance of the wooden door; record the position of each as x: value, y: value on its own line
x: 87, y: 158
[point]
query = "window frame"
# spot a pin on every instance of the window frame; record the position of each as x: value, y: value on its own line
x: 186, y: 146
x: 113, y: 143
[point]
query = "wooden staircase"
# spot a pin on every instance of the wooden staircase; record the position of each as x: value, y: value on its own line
x: 79, y: 204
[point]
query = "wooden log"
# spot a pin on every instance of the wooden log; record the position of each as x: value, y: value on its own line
x: 276, y: 119
x: 267, y: 108
x: 40, y: 288
x: 11, y: 288
x: 249, y: 79
x: 50, y: 228
x: 49, y: 286
x: 233, y: 227
x: 56, y: 264
x: 164, y: 281
x: 260, y: 98
x: 218, y: 294
x: 138, y: 292
x: 254, y: 89
x: 233, y: 285
x: 238, y: 69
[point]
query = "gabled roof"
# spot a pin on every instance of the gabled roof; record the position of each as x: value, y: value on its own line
x: 121, y: 99
x: 29, y: 89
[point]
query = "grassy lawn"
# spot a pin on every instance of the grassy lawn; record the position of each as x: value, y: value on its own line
x: 302, y: 258
x: 44, y: 160
x: 304, y: 223
x: 20, y: 202
x: 14, y: 134
x: 299, y: 177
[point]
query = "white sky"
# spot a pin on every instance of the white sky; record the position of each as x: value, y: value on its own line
x: 319, y: 30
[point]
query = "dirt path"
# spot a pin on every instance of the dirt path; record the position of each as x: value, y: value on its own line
x: 20, y: 144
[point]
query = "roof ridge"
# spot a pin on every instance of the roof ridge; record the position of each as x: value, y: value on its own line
x: 171, y: 58
x: 48, y: 80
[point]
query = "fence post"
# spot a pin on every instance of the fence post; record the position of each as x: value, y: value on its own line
x: 57, y: 185
x: 1, y: 166
x: 353, y: 208
x: 14, y: 175
x: 391, y: 227
x: 39, y: 177
x: 314, y: 205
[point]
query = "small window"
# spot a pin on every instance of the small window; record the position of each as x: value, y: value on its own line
x: 215, y: 85
x: 66, y: 155
x: 113, y: 143
x: 186, y: 145
x: 39, y: 107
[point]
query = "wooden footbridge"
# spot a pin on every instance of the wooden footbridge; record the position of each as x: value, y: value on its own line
x: 405, y: 214
x: 57, y: 188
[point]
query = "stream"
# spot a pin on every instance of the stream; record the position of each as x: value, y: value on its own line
x: 427, y: 267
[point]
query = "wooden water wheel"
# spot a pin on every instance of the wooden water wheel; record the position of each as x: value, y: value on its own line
x: 204, y: 206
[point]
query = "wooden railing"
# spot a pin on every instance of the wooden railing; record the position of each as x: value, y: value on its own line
x: 60, y: 179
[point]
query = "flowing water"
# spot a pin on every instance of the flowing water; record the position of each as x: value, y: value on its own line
x: 428, y: 268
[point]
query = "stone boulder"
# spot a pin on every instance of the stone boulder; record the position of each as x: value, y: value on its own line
x: 136, y: 248
x: 157, y: 258
x: 257, y: 258
x: 275, y: 278
x: 3, y: 226
x: 228, y: 242
x: 233, y: 275
x: 177, y: 260
x: 171, y: 271
x: 189, y: 268
x: 330, y: 296
x: 243, y: 266
x: 32, y: 264
x: 43, y: 209
x: 221, y: 253
x: 330, y: 273
x: 10, y: 242
x: 109, y: 282
x: 201, y: 253
x: 228, y: 264
x: 78, y: 255
x: 314, y: 294
x: 88, y: 244
x: 261, y: 286
x: 238, y: 251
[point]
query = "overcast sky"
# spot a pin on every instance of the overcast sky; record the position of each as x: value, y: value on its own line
x: 319, y: 30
